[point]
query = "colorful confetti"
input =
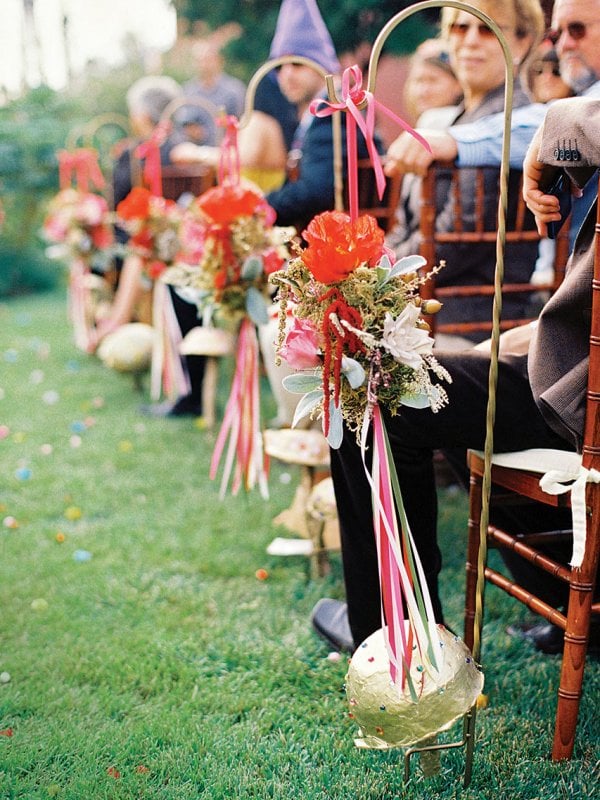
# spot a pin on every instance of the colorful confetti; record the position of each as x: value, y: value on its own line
x: 72, y: 513
x: 51, y: 397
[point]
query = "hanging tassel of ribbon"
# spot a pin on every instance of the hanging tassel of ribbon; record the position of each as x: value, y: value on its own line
x: 229, y: 155
x: 244, y: 459
x: 167, y: 374
x: 404, y: 593
x: 149, y: 152
x: 353, y: 96
x: 78, y: 303
x: 82, y: 166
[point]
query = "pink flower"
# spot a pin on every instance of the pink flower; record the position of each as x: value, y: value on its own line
x: 301, y: 347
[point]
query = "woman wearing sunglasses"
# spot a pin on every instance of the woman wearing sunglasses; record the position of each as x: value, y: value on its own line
x: 477, y: 59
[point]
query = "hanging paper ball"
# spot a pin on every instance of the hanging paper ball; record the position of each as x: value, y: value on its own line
x: 207, y: 341
x: 386, y: 713
x: 129, y: 348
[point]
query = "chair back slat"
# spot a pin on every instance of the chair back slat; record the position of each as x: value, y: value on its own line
x: 472, y: 224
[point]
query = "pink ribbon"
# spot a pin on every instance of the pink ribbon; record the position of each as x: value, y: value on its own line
x: 81, y: 164
x: 167, y: 374
x: 401, y: 574
x: 244, y: 459
x: 150, y: 152
x: 79, y: 301
x: 353, y: 95
x: 229, y: 155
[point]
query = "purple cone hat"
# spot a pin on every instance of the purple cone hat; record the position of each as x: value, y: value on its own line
x: 301, y: 31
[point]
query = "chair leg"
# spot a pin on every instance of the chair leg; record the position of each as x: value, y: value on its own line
x: 475, y: 493
x: 581, y: 591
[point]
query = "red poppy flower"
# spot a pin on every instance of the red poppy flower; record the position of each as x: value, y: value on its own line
x: 136, y: 205
x: 337, y: 246
x: 223, y: 204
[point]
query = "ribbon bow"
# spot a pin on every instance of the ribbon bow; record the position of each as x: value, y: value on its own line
x: 82, y: 164
x: 150, y: 151
x: 553, y: 482
x: 353, y: 96
x: 229, y: 156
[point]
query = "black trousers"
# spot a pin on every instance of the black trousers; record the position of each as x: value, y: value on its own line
x: 414, y: 435
x: 187, y: 317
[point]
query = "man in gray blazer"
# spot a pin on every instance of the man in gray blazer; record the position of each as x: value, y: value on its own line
x: 540, y: 401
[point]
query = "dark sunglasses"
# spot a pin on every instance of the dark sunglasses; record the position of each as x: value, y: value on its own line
x: 576, y: 30
x: 460, y: 30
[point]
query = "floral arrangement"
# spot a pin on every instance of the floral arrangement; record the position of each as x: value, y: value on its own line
x: 229, y: 249
x: 78, y: 223
x: 358, y: 334
x: 153, y: 224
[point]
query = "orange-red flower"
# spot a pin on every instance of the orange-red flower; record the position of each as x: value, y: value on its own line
x: 136, y: 205
x: 223, y: 204
x: 337, y: 246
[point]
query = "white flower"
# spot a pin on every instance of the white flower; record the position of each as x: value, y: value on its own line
x: 406, y: 343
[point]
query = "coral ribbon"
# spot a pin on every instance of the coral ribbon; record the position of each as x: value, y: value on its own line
x: 81, y: 164
x: 244, y: 458
x: 229, y: 155
x: 353, y: 95
x: 150, y: 152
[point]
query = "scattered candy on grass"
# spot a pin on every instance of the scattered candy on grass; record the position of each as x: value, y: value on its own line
x: 7, y: 732
x: 72, y: 513
x: 4, y: 677
x: 125, y: 446
x: 334, y: 656
x: 46, y: 449
x: 141, y: 769
x: 23, y: 474
x: 39, y: 604
x: 200, y: 423
x: 113, y: 772
x: 97, y: 402
x: 78, y: 426
x: 19, y: 437
x: 36, y: 376
x: 285, y: 478
x: 4, y: 431
x: 60, y: 537
x: 261, y: 574
x: 482, y: 701
x: 81, y: 556
x: 75, y: 441
x: 10, y: 522
x: 51, y: 397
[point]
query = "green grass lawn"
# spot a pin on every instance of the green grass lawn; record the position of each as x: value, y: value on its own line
x: 145, y: 658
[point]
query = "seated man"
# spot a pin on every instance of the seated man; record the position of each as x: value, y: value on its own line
x: 540, y: 402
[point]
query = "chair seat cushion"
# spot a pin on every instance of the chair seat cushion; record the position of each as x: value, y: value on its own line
x: 537, y: 459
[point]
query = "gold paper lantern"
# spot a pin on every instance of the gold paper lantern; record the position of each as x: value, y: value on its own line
x: 386, y: 713
x: 129, y: 348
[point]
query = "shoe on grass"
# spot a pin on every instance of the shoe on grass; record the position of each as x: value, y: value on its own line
x: 330, y: 620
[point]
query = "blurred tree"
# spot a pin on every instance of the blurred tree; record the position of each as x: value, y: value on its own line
x: 351, y: 23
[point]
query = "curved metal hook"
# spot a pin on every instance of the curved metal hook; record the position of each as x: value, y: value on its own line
x: 104, y: 120
x: 272, y: 64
